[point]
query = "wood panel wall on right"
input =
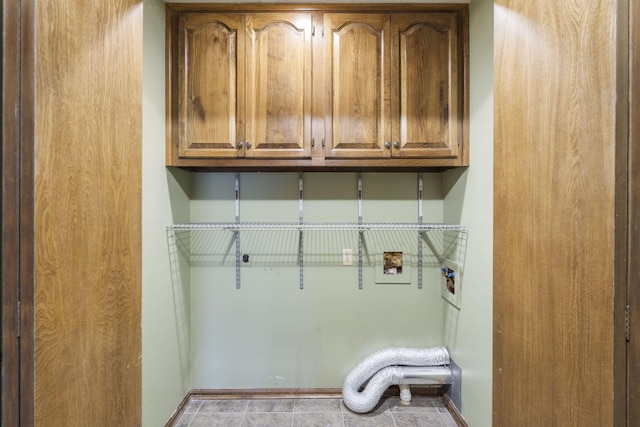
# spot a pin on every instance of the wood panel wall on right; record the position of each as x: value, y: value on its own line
x: 556, y: 208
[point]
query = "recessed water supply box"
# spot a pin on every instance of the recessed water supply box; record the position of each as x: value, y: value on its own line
x: 451, y: 282
x: 393, y: 265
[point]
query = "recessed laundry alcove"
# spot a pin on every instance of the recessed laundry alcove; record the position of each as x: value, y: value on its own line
x: 271, y: 304
x: 201, y: 331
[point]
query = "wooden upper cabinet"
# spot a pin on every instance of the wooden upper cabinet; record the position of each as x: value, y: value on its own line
x: 210, y: 79
x: 278, y: 102
x: 393, y: 83
x: 426, y: 86
x: 244, y: 85
x: 317, y: 87
x: 357, y: 71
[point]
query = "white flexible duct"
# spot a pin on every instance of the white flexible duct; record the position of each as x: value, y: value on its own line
x: 383, y: 369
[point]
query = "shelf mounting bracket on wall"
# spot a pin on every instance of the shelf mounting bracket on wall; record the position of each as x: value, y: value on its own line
x: 301, y: 222
x: 237, y: 232
x: 420, y: 197
x: 360, y: 247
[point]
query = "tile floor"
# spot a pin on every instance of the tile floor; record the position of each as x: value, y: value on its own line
x: 325, y: 412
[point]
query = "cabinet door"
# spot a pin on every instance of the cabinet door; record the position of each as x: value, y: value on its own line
x: 357, y: 85
x: 426, y: 89
x: 210, y: 85
x: 279, y: 77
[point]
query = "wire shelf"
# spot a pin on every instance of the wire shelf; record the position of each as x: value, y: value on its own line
x: 286, y: 226
x: 314, y: 243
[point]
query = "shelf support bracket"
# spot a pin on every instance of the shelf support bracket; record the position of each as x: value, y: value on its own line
x: 360, y: 247
x: 420, y: 198
x: 301, y: 233
x: 237, y: 231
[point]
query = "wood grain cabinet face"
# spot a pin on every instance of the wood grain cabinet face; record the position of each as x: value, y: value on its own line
x: 244, y: 85
x: 314, y: 89
x: 278, y: 102
x: 427, y: 109
x: 210, y: 89
x: 393, y: 83
x: 358, y: 118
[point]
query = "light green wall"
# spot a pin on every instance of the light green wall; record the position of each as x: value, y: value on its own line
x: 469, y: 200
x: 200, y: 331
x: 165, y: 311
x: 270, y: 333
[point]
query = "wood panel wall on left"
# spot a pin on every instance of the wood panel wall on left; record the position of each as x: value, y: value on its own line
x: 87, y: 214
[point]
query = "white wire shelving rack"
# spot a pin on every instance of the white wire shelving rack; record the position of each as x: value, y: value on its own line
x: 450, y: 243
x: 288, y: 226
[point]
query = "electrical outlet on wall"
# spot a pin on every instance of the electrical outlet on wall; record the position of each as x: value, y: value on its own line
x: 347, y: 257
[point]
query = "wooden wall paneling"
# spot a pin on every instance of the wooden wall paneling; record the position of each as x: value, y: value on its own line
x: 624, y: 198
x: 554, y: 206
x: 17, y: 213
x: 27, y: 204
x: 633, y: 367
x: 88, y: 126
x: 10, y: 215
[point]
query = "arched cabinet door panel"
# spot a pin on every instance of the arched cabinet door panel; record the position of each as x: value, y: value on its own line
x: 317, y: 87
x: 357, y: 71
x: 279, y: 76
x: 426, y: 86
x: 210, y: 92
